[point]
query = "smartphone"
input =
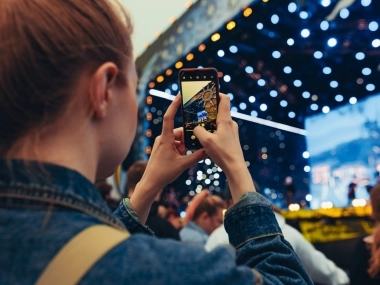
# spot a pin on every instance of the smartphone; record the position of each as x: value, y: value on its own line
x: 200, y: 100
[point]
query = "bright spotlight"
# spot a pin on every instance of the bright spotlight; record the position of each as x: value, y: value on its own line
x: 304, y: 15
x: 292, y: 7
x: 306, y: 168
x: 233, y: 49
x: 305, y: 33
x: 334, y: 84
x: 274, y: 19
x: 283, y: 103
x: 261, y: 82
x: 276, y: 54
x: 366, y: 71
x: 324, y: 25
x: 227, y: 78
x: 325, y: 3
x: 220, y: 53
x: 370, y: 87
x: 326, y: 70
x: 314, y: 107
x: 297, y: 83
x: 360, y: 56
x: 263, y: 107
x: 376, y: 43
x: 332, y: 42
x: 339, y: 98
x: 306, y: 154
x: 366, y: 3
x: 353, y: 100
x: 318, y: 55
x: 344, y: 13
x: 290, y: 42
x: 252, y: 99
x: 306, y: 94
x: 273, y: 93
x: 309, y: 197
x: 325, y: 109
x: 249, y: 69
x: 243, y: 106
x: 292, y: 115
x: 287, y: 69
x: 259, y: 26
x: 373, y: 26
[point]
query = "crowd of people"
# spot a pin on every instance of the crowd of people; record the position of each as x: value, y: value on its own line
x: 68, y: 116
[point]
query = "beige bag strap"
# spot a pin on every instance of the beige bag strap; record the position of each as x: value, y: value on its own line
x: 80, y: 254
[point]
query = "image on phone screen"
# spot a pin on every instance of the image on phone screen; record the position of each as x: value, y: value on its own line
x: 200, y: 107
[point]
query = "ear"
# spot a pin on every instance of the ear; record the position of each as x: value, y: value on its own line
x: 101, y: 85
x: 204, y: 216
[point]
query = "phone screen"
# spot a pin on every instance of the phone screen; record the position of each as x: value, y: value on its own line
x: 200, y: 98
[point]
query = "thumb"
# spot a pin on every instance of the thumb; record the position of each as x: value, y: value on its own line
x: 191, y: 159
x: 201, y: 134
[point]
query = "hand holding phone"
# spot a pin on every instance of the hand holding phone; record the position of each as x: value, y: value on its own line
x: 200, y: 99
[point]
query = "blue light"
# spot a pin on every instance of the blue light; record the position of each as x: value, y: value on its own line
x: 254, y: 114
x: 344, y: 13
x: 292, y: 115
x: 304, y: 15
x: 234, y: 109
x: 220, y: 53
x: 283, y: 103
x: 305, y: 33
x: 292, y: 7
x: 227, y: 78
x: 167, y: 90
x: 200, y: 66
x: 353, y: 100
x: 325, y: 109
x: 233, y: 49
x: 249, y: 69
x: 259, y: 26
x: 174, y: 87
x: 274, y: 19
x: 306, y: 94
x: 314, y: 107
x: 273, y: 93
x: 326, y: 70
x: 324, y: 25
x: 287, y: 69
x: 276, y: 54
x: 332, y: 42
x: 370, y: 87
x: 290, y: 42
x: 306, y: 154
x: 252, y: 99
x: 318, y: 54
x: 366, y: 71
x: 373, y: 26
x: 366, y: 3
x: 263, y: 107
x: 334, y: 84
x: 231, y: 96
x: 325, y: 3
x: 339, y: 98
x: 297, y: 83
x: 243, y: 106
x: 360, y: 56
x: 376, y: 43
x: 261, y: 82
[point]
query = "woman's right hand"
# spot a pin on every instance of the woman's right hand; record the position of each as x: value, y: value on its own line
x: 224, y: 149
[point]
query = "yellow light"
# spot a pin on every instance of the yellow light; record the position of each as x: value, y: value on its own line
x: 172, y: 20
x: 178, y: 65
x: 148, y: 133
x: 231, y: 25
x: 327, y: 205
x: 151, y: 84
x: 265, y: 1
x: 149, y: 100
x: 294, y: 207
x: 215, y: 37
x: 264, y: 156
x: 202, y: 47
x: 160, y: 79
x: 247, y: 12
x: 190, y: 57
x: 188, y: 4
x: 359, y: 202
x: 169, y: 72
x: 149, y: 116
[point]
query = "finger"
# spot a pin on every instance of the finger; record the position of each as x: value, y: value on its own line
x: 193, y: 158
x: 224, y: 113
x: 168, y: 123
x: 202, y: 135
x: 178, y: 134
x: 181, y: 148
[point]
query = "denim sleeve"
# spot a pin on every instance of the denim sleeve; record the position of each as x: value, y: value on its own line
x: 254, y: 232
x: 130, y: 219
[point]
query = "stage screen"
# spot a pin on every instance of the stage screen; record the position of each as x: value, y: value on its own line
x: 344, y: 148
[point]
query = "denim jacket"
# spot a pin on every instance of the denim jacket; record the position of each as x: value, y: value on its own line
x: 193, y: 233
x: 42, y: 206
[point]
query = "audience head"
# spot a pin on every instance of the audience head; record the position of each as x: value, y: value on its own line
x: 206, y: 212
x: 134, y: 175
x: 77, y: 55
